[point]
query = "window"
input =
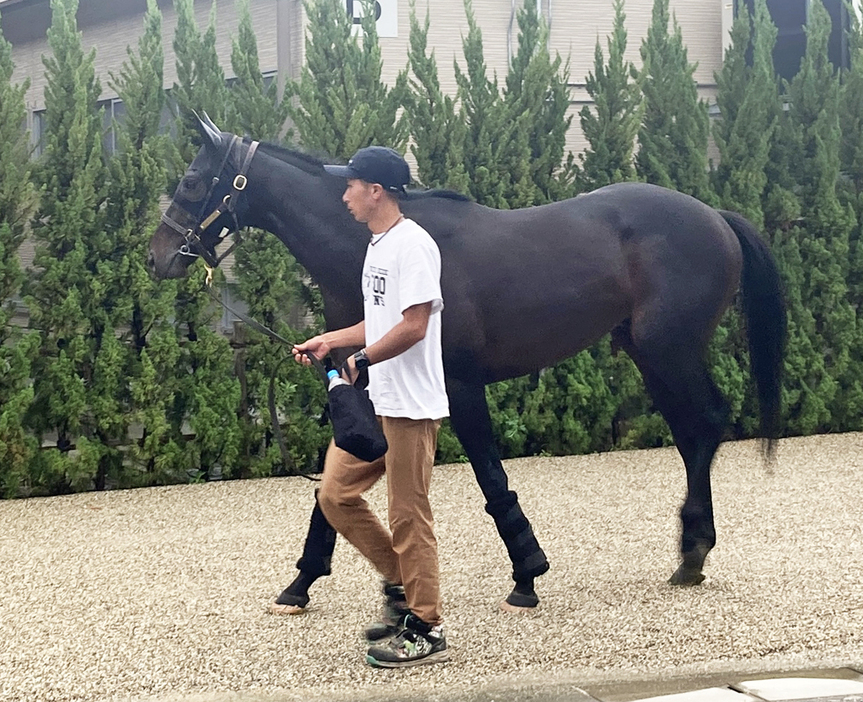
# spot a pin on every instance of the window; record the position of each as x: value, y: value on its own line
x: 790, y: 17
x: 112, y: 116
x: 37, y: 133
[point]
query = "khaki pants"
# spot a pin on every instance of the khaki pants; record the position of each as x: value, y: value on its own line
x: 407, y: 552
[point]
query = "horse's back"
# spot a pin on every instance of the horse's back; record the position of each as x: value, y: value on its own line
x: 526, y: 288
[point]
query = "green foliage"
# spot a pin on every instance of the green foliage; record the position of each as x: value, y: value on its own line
x: 254, y: 109
x: 271, y: 281
x: 138, y: 388
x: 208, y: 391
x: 825, y: 318
x: 342, y: 104
x: 272, y: 284
x: 73, y: 299
x: 572, y: 409
x: 200, y: 85
x: 851, y: 153
x: 673, y: 135
x: 611, y: 126
x: 482, y: 111
x: 16, y: 348
x: 437, y: 131
x: 138, y: 176
x: 748, y: 100
x: 536, y: 98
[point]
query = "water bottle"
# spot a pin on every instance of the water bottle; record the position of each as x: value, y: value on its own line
x: 334, y: 379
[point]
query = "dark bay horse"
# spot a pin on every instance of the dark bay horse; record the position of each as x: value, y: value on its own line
x: 524, y: 289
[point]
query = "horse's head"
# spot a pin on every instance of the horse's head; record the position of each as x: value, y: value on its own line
x: 205, y: 202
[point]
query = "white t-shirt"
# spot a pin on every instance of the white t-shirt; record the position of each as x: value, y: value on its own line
x: 402, y: 269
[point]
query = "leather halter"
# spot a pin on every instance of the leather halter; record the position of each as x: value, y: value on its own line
x: 192, y: 244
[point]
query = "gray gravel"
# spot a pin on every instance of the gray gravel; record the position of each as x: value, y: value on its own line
x: 161, y: 594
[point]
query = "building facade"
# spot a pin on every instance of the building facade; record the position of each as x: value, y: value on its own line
x: 110, y: 26
x: 575, y: 26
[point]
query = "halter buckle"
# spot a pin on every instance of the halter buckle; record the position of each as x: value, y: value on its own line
x: 240, y: 182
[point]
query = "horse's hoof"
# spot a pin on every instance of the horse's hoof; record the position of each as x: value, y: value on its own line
x: 523, y: 598
x: 686, y: 577
x: 289, y: 609
x: 514, y: 609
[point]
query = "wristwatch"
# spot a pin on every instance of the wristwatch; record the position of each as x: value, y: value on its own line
x: 361, y: 361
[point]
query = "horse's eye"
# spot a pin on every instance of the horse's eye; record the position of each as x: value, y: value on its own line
x: 192, y: 188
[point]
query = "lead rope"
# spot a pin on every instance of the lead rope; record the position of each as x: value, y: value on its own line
x: 287, y: 460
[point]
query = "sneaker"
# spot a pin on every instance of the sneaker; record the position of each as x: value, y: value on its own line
x: 394, y: 612
x: 417, y: 643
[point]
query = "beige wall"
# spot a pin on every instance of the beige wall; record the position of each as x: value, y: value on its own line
x: 111, y: 25
x: 109, y: 28
x: 575, y: 27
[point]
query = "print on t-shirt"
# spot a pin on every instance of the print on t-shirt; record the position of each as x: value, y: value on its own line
x: 375, y: 285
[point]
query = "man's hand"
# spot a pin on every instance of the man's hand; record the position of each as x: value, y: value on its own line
x: 349, y: 371
x: 316, y: 346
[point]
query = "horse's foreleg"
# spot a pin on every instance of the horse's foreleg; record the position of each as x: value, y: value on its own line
x: 313, y: 564
x: 472, y: 424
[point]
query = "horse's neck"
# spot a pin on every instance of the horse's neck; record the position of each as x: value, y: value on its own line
x: 312, y: 222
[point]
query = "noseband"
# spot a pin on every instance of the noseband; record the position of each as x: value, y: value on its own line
x: 192, y: 244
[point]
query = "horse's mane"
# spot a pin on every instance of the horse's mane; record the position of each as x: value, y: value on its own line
x: 315, y: 164
x: 436, y: 192
x: 307, y: 162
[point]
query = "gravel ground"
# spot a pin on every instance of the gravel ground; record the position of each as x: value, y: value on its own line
x: 161, y: 593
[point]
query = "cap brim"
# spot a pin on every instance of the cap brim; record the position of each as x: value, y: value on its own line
x: 341, y: 171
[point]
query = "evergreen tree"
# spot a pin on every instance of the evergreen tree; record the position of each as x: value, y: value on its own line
x: 138, y: 176
x: 255, y: 109
x: 483, y: 112
x: 611, y: 126
x: 825, y: 326
x: 851, y: 109
x: 437, y: 130
x: 17, y: 446
x: 341, y: 103
x: 272, y: 284
x: 207, y: 397
x: 537, y: 99
x: 200, y: 85
x: 851, y: 152
x: 572, y: 409
x: 674, y: 130
x: 748, y: 101
x: 78, y: 373
x: 614, y: 404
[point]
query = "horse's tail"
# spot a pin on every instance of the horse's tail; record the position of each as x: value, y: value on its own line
x: 766, y: 322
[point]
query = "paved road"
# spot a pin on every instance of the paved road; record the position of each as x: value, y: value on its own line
x: 161, y: 594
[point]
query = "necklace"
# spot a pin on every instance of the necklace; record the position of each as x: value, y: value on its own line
x: 381, y: 236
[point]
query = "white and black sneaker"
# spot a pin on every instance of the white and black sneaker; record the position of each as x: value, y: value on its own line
x: 417, y: 643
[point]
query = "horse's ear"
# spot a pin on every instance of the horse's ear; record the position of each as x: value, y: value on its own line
x: 210, y: 122
x: 208, y: 130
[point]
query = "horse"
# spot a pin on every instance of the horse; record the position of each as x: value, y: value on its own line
x: 523, y: 289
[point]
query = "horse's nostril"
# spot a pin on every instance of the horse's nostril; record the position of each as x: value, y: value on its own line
x: 151, y: 261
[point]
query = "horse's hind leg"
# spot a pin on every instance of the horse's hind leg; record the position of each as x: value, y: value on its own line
x: 472, y: 424
x: 676, y: 376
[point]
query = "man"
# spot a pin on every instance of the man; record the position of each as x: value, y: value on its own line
x: 401, y: 336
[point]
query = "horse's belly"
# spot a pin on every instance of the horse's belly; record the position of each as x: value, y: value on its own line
x: 527, y: 340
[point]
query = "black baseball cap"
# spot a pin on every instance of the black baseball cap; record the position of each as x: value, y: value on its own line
x: 376, y: 164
